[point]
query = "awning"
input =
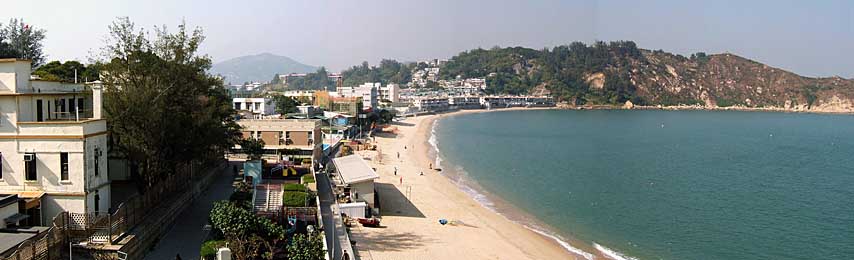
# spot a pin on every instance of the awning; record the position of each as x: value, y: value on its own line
x: 14, y: 219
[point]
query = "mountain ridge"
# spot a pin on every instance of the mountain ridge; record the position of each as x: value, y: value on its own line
x: 258, y: 68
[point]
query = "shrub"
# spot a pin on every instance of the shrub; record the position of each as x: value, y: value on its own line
x: 235, y: 221
x: 209, y: 248
x: 306, y: 247
x: 308, y: 178
x: 295, y: 199
x: 294, y: 187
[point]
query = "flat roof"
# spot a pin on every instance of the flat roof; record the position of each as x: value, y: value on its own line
x: 11, y: 240
x: 353, y: 169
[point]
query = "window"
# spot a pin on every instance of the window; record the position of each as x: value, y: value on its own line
x: 30, y: 166
x: 97, y: 161
x: 71, y: 105
x: 62, y: 105
x: 1, y: 166
x: 80, y: 103
x: 63, y: 166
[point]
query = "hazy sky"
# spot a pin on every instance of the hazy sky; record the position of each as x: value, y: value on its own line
x: 813, y: 38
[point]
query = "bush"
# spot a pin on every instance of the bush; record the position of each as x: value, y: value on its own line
x: 308, y: 178
x: 234, y: 221
x: 294, y: 187
x: 295, y: 199
x: 306, y: 247
x: 210, y: 247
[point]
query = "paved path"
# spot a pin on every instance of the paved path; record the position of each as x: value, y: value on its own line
x: 186, y: 235
x: 333, y: 227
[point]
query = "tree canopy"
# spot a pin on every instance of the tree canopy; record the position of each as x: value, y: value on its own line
x: 59, y: 71
x: 389, y: 71
x: 22, y: 41
x: 162, y: 107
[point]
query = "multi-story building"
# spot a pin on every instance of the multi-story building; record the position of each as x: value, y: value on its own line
x: 298, y: 139
x: 389, y: 93
x: 368, y: 92
x: 464, y: 102
x: 53, y: 144
x: 258, y: 106
x: 346, y: 105
x: 431, y: 103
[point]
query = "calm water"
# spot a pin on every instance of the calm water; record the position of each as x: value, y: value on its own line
x: 670, y: 184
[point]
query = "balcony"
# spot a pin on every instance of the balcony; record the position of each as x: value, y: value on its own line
x: 67, y: 128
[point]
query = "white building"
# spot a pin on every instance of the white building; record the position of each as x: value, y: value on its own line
x: 259, y: 106
x: 431, y: 103
x: 390, y: 92
x: 464, y: 102
x: 53, y: 144
x: 368, y: 92
x: 355, y: 178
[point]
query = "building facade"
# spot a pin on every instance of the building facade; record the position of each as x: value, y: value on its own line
x: 53, y: 144
x: 258, y: 106
x: 294, y: 138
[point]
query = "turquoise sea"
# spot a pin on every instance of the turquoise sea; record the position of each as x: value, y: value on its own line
x: 667, y: 184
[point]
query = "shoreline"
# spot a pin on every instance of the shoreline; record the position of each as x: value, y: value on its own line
x: 412, y: 204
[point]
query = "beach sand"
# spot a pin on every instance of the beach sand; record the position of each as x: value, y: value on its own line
x: 411, y: 210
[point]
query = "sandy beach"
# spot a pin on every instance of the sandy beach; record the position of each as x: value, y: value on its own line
x: 412, y: 205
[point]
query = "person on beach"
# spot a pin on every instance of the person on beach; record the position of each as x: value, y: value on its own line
x: 401, y: 179
x: 345, y: 256
x: 398, y: 155
x: 404, y: 147
x: 395, y: 170
x: 422, y: 173
x: 431, y: 166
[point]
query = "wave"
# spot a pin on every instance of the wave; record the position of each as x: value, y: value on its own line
x: 611, y: 253
x: 435, y: 143
x: 463, y: 184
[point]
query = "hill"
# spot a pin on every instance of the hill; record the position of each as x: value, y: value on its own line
x: 259, y: 68
x: 616, y: 72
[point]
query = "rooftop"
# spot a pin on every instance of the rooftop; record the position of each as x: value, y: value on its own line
x: 353, y: 169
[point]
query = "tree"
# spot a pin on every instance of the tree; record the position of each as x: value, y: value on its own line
x: 285, y: 105
x: 163, y: 109
x: 306, y: 247
x: 22, y: 41
x: 69, y: 71
x: 245, y: 231
x: 254, y: 148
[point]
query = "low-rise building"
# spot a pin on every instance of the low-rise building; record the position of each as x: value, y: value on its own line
x: 431, y: 103
x: 294, y: 139
x: 53, y: 144
x: 355, y: 179
x: 257, y: 106
x: 464, y: 102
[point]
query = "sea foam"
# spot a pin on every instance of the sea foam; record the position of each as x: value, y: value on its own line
x: 462, y: 183
x: 611, y: 253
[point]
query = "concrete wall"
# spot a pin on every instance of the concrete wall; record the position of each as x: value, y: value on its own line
x: 365, y: 192
x: 6, y: 212
x: 52, y: 205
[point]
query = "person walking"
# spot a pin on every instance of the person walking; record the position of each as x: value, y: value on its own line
x: 395, y: 170
x: 398, y: 155
x: 345, y: 255
x: 401, y: 180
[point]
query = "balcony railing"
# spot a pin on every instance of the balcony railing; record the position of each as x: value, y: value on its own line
x: 82, y: 114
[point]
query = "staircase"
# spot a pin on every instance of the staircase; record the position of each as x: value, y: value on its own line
x: 268, y: 197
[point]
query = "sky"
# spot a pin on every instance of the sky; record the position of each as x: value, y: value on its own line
x: 812, y: 38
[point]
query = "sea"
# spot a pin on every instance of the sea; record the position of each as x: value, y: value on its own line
x: 649, y: 184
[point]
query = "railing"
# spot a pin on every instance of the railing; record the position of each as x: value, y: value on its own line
x: 130, y: 213
x: 46, y: 245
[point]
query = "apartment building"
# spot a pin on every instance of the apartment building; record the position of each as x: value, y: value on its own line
x: 295, y: 138
x: 431, y: 103
x: 258, y: 106
x: 53, y: 144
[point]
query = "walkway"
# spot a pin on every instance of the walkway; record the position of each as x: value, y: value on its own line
x: 333, y: 227
x: 187, y: 233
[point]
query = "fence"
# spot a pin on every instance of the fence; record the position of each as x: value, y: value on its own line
x: 103, y: 227
x: 130, y: 213
x: 44, y: 246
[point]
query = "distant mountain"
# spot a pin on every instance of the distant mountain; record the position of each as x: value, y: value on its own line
x: 616, y: 72
x: 260, y: 68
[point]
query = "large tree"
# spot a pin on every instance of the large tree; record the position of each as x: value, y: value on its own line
x: 22, y: 41
x: 163, y: 109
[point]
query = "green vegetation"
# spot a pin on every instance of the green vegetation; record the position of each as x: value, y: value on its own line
x: 308, y: 178
x: 306, y: 247
x: 65, y: 72
x: 285, y: 105
x: 389, y: 71
x: 245, y: 232
x: 253, y: 148
x: 163, y: 109
x: 294, y: 187
x: 318, y: 80
x: 22, y: 41
x: 209, y: 248
x: 563, y: 70
x: 297, y: 199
